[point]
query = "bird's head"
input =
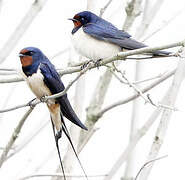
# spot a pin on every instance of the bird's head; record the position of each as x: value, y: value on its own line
x: 82, y: 19
x: 29, y: 56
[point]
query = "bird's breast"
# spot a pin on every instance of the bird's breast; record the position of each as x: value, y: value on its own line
x: 37, y: 85
x: 92, y: 48
x: 55, y: 115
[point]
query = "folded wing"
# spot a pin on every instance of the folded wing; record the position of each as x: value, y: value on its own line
x: 54, y: 83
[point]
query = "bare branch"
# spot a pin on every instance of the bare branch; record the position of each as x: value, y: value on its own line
x: 29, y: 138
x: 165, y: 119
x: 60, y: 175
x: 31, y: 104
x: 133, y: 10
x: 99, y: 113
x: 35, y: 8
x: 140, y: 133
x: 14, y: 108
x: 14, y: 136
x: 102, y: 10
x: 136, y: 95
x: 119, y: 56
x: 136, y: 89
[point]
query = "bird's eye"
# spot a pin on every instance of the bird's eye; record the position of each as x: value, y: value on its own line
x: 82, y: 19
x: 29, y: 53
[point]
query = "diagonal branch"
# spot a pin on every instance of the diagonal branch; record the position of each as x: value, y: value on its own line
x: 14, y: 136
x: 132, y: 144
x: 102, y: 10
x: 136, y: 95
x: 35, y: 8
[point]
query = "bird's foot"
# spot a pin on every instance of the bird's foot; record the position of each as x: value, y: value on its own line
x: 85, y: 64
x: 43, y: 99
x: 58, y: 135
x: 97, y: 63
x: 30, y: 103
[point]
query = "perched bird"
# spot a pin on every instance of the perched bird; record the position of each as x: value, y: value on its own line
x: 43, y: 80
x: 96, y: 38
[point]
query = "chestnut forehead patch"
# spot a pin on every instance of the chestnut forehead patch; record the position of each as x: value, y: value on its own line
x: 77, y: 17
x: 23, y: 51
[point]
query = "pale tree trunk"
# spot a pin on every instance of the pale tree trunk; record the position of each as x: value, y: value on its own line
x: 148, y: 15
x: 135, y: 139
x: 35, y: 8
x: 165, y: 118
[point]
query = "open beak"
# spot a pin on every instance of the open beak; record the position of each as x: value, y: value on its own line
x: 72, y: 19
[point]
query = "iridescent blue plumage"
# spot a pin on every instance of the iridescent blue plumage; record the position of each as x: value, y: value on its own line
x: 44, y: 80
x: 89, y: 27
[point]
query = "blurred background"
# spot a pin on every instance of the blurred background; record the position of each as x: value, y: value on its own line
x: 44, y: 24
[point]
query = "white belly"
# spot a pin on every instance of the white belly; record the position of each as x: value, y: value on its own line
x: 92, y: 48
x: 37, y: 85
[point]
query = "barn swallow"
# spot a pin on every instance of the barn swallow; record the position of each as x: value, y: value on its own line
x: 96, y: 38
x: 43, y: 79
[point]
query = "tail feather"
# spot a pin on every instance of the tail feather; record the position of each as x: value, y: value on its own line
x: 58, y: 150
x: 131, y: 44
x: 69, y: 113
x: 64, y: 128
x: 161, y: 53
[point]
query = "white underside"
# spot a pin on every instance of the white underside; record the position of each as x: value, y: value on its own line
x: 38, y: 87
x: 92, y: 48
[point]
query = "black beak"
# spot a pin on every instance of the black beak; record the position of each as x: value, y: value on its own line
x: 21, y: 55
x: 72, y: 19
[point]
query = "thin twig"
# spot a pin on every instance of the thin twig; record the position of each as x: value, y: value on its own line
x: 147, y: 163
x: 136, y: 82
x: 150, y: 79
x: 136, y: 89
x: 132, y: 97
x: 148, y: 99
